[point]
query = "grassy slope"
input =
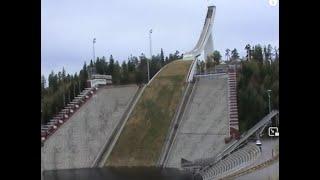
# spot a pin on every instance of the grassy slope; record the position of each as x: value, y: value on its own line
x: 143, y: 136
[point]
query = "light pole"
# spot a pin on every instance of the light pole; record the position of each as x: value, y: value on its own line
x: 269, y: 91
x: 94, y: 57
x: 150, y: 32
x: 94, y: 41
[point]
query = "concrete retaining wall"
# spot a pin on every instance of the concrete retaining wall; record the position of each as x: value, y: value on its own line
x: 78, y: 142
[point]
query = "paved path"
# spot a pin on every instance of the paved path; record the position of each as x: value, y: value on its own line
x: 271, y: 170
x: 268, y: 173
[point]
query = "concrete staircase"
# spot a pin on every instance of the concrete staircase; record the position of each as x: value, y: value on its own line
x: 232, y: 101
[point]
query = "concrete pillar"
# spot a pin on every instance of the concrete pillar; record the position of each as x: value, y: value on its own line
x: 208, y: 48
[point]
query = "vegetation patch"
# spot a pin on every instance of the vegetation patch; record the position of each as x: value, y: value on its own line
x: 144, y: 134
x: 254, y: 79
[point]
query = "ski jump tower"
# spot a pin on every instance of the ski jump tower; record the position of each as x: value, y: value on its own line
x: 204, y: 45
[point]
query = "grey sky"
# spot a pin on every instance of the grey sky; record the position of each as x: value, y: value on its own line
x: 121, y: 28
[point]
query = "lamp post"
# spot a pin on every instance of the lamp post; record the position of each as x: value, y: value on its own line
x: 94, y: 41
x: 269, y: 91
x: 150, y: 32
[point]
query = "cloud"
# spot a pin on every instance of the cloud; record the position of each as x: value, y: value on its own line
x: 121, y: 28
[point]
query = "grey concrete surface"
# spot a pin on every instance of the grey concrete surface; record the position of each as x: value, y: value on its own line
x: 205, y: 123
x: 234, y: 162
x: 271, y: 172
x: 77, y: 143
x: 119, y: 128
x: 268, y: 173
x: 268, y: 149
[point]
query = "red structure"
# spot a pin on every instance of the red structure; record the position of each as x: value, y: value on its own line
x: 232, y: 104
x: 64, y: 115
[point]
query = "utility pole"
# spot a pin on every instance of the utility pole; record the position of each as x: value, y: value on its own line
x: 150, y: 32
x: 94, y: 57
x: 94, y: 41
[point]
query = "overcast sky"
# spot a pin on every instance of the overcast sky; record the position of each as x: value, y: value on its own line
x: 121, y: 28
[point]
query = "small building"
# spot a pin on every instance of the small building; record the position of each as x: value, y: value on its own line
x: 99, y: 80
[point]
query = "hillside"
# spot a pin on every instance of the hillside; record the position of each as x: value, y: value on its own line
x: 144, y: 134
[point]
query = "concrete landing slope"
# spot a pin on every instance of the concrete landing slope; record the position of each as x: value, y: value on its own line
x: 269, y: 172
x: 143, y: 136
x: 205, y: 122
x: 77, y: 143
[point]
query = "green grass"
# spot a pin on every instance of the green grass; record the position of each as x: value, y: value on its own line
x: 143, y: 136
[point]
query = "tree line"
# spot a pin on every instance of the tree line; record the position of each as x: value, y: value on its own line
x: 210, y: 62
x: 60, y: 88
x: 259, y: 72
x: 255, y: 52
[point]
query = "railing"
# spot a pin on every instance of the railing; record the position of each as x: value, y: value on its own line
x: 65, y: 114
x: 233, y: 146
x: 191, y: 71
x: 252, y: 169
x: 238, y: 160
x: 249, y: 133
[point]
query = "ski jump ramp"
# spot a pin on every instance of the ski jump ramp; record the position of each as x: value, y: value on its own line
x: 204, y: 124
x: 204, y: 45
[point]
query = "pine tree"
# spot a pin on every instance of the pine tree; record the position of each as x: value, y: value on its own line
x: 63, y: 75
x: 111, y: 64
x: 217, y: 57
x: 162, y: 57
x: 257, y: 53
x: 248, y: 49
x: 124, y: 73
x: 234, y: 54
x: 116, y: 73
x: 143, y: 67
x: 227, y: 54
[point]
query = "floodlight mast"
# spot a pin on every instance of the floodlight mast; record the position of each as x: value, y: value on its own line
x: 94, y: 41
x: 150, y: 32
x: 94, y: 56
x: 269, y: 96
